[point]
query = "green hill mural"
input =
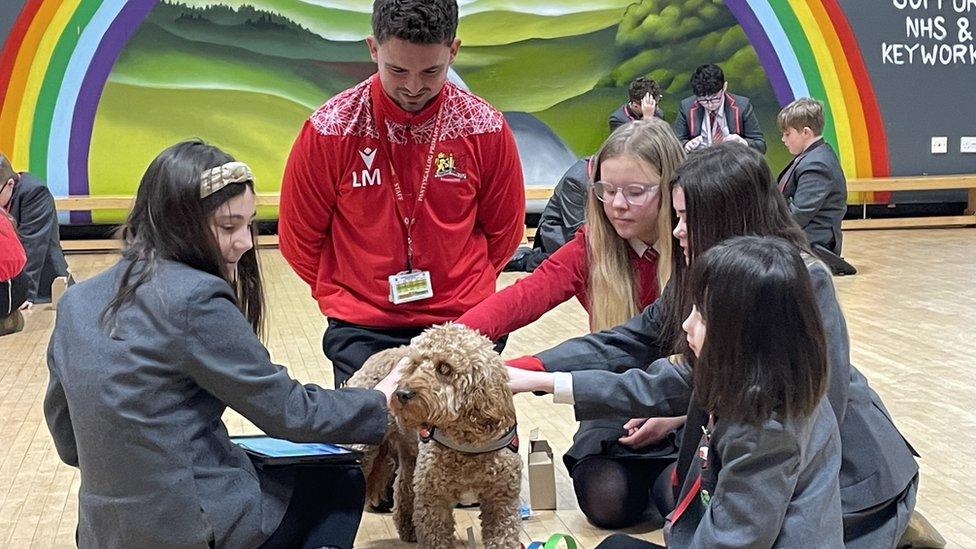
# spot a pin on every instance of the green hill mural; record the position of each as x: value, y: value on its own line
x: 245, y: 75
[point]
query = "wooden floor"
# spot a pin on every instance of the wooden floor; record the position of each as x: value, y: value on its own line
x: 911, y: 311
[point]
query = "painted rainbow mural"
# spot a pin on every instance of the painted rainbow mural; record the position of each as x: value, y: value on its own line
x: 59, y: 53
x: 53, y: 68
x: 808, y: 49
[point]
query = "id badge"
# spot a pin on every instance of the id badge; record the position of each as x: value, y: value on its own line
x: 407, y: 286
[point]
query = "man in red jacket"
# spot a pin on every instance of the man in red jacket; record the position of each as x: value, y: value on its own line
x: 402, y: 198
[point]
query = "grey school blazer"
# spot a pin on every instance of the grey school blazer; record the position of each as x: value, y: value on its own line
x: 32, y: 207
x: 771, y: 485
x: 816, y: 190
x: 139, y: 413
x: 877, y: 463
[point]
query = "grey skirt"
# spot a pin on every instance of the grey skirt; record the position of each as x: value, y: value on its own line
x: 598, y: 437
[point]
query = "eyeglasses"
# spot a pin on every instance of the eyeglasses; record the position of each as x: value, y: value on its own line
x: 635, y: 194
x: 710, y: 100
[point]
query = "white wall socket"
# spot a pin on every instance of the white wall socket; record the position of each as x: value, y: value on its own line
x: 940, y: 145
x: 967, y: 144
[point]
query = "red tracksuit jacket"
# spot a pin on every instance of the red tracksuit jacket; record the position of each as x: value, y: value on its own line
x: 339, y: 226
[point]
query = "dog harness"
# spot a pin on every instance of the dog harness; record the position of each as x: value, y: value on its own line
x: 508, y: 440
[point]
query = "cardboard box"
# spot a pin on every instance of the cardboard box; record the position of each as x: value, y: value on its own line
x: 542, y: 474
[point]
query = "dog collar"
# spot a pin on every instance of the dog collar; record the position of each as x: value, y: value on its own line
x: 508, y: 440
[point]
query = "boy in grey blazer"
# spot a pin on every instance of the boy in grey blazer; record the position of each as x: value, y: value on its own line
x: 31, y: 205
x: 813, y: 183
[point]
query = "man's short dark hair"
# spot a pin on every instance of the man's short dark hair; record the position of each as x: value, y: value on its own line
x: 642, y: 86
x: 707, y: 80
x: 7, y: 171
x: 416, y: 21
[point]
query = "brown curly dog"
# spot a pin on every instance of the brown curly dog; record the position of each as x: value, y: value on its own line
x: 454, y: 393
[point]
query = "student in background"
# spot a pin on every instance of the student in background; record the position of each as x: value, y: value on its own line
x: 31, y: 205
x: 713, y: 115
x: 813, y: 183
x: 145, y: 358
x: 644, y: 95
x: 560, y: 219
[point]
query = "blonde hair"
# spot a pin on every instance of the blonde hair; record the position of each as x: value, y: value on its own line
x: 802, y: 113
x: 612, y: 290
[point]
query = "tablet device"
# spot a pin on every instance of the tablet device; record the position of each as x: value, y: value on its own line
x: 275, y: 451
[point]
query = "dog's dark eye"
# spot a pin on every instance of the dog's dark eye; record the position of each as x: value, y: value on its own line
x: 444, y: 369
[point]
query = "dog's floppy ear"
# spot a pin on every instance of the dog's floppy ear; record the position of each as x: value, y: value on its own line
x: 490, y: 407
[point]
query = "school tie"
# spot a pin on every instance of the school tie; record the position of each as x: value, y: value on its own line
x: 787, y: 174
x: 717, y: 136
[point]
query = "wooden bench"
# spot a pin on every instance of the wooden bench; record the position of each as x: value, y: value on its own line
x: 922, y: 183
x: 115, y: 202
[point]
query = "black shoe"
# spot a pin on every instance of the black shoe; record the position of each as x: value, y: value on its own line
x: 834, y: 262
x: 517, y: 263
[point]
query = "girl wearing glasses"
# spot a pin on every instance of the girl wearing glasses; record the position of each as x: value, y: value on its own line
x: 615, y: 266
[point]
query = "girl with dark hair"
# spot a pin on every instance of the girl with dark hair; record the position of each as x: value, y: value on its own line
x: 722, y: 192
x: 135, y: 397
x: 766, y: 467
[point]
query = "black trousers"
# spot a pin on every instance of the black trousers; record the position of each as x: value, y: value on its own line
x: 325, y: 509
x: 13, y: 293
x: 349, y: 345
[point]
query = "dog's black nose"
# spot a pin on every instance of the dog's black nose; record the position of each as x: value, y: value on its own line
x: 404, y: 394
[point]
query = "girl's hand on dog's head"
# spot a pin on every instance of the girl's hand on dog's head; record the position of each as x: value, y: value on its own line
x: 388, y: 385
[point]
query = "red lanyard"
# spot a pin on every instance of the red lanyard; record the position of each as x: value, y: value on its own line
x: 409, y: 219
